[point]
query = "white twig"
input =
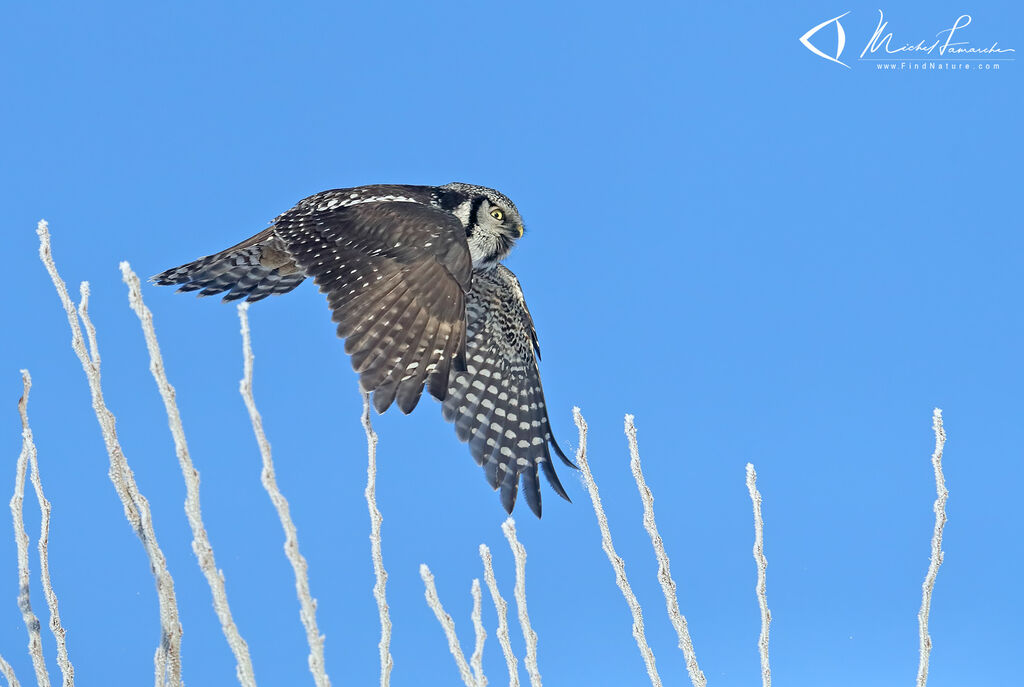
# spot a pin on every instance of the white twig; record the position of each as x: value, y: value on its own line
x: 617, y: 563
x: 447, y: 624
x: 668, y: 585
x: 59, y: 633
x: 380, y: 573
x: 936, y: 558
x: 167, y: 659
x: 201, y: 545
x: 8, y: 673
x: 519, y: 551
x: 307, y: 605
x: 501, y: 606
x: 762, y: 566
x: 35, y: 640
x: 476, y: 662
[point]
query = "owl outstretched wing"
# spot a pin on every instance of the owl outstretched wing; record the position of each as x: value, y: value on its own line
x: 497, y: 402
x: 396, y: 271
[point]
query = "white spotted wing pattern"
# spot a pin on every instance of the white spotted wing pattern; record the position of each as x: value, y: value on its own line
x: 497, y: 404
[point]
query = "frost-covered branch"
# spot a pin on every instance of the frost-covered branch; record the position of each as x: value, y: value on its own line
x: 476, y: 662
x: 668, y: 585
x: 56, y: 627
x: 379, y: 572
x: 8, y: 673
x: 307, y: 605
x: 167, y: 659
x: 35, y: 640
x: 762, y: 567
x: 519, y: 551
x: 936, y: 558
x: 618, y: 565
x: 448, y: 625
x: 201, y: 545
x: 501, y: 606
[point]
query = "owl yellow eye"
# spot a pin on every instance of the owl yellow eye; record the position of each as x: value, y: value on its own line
x: 497, y: 214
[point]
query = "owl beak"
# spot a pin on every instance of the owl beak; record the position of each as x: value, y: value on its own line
x: 519, y: 231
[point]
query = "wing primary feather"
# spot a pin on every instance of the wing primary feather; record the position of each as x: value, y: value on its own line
x: 394, y: 361
x: 491, y: 473
x: 384, y: 395
x: 410, y: 388
x: 509, y: 488
x: 552, y: 476
x: 437, y: 382
x: 531, y: 489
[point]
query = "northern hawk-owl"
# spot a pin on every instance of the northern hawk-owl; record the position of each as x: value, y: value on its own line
x: 414, y: 279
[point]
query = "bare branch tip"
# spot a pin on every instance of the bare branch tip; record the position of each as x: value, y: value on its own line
x: 939, y: 507
x: 307, y: 603
x: 26, y: 461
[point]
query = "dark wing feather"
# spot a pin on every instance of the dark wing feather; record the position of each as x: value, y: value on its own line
x: 254, y: 269
x: 395, y: 270
x: 497, y: 403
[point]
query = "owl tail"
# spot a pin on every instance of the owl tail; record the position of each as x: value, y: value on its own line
x: 256, y: 268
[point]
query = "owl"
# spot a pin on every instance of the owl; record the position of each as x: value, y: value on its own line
x: 414, y: 280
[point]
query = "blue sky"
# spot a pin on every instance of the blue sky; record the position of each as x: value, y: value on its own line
x: 763, y: 255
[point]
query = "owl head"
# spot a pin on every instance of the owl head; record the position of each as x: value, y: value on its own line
x: 491, y: 220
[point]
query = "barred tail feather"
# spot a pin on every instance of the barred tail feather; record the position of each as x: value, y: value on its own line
x: 242, y: 271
